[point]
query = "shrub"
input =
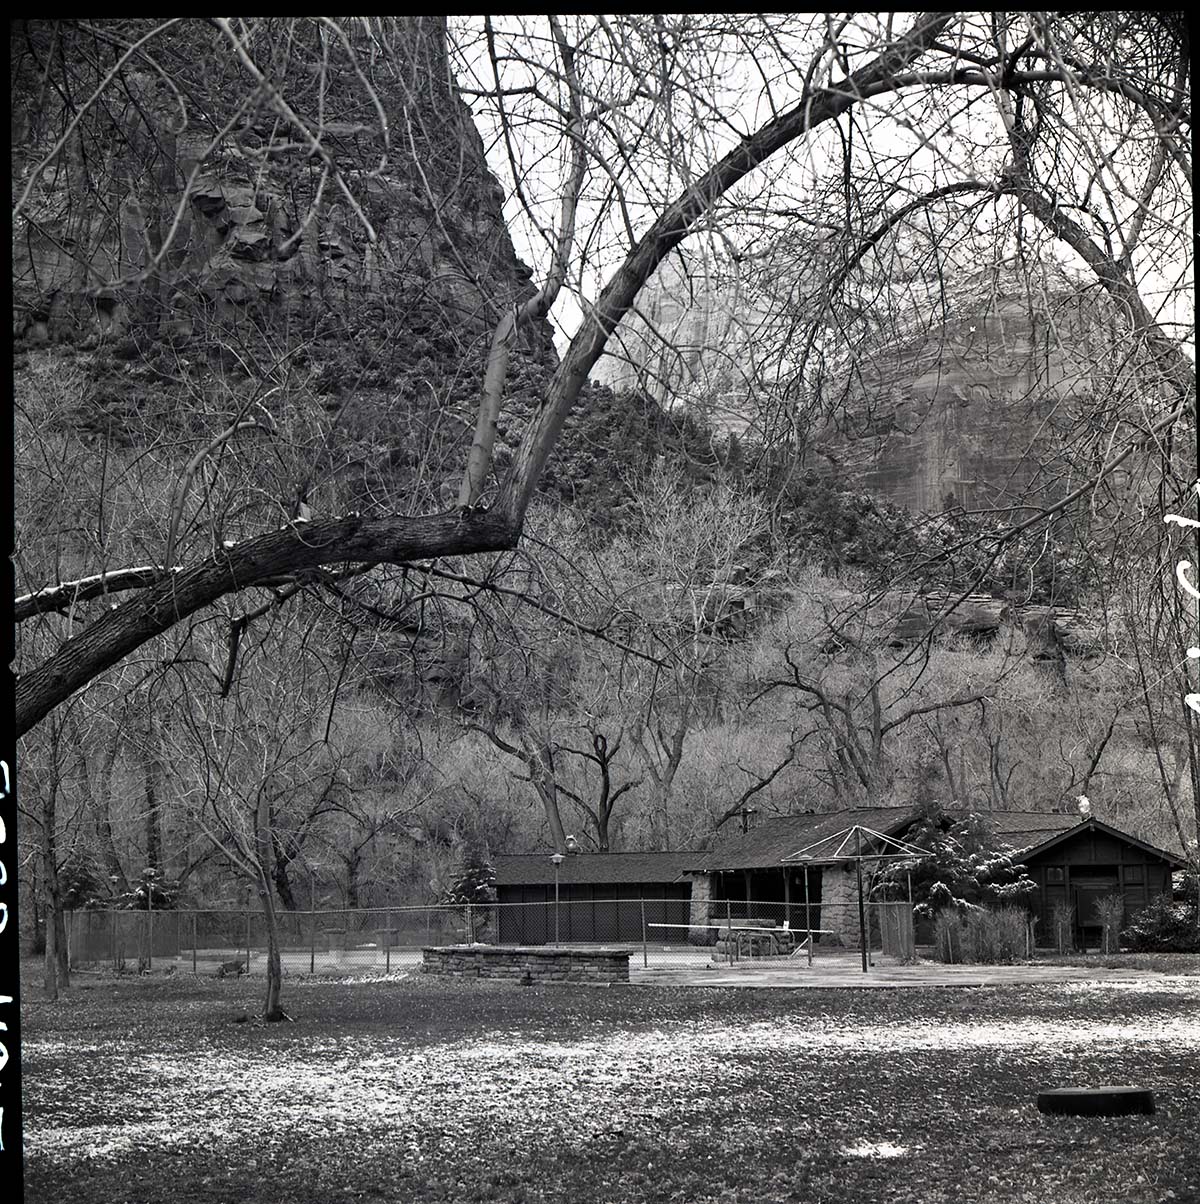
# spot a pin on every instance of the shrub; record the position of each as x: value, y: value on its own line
x: 1110, y: 911
x: 1164, y: 926
x: 1064, y: 927
x: 947, y: 937
x: 474, y: 883
x: 995, y: 937
x: 148, y: 890
x: 966, y: 866
x: 79, y: 884
x: 980, y: 935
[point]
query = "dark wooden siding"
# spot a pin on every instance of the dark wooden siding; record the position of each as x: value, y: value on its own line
x: 1090, y: 866
x: 593, y: 913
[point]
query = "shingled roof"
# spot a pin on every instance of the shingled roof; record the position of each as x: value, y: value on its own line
x: 778, y: 836
x: 598, y: 869
x: 1047, y: 841
x: 774, y: 838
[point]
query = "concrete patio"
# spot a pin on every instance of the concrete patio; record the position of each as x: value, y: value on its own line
x: 841, y: 970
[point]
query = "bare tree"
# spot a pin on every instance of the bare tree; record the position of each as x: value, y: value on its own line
x: 257, y: 767
x: 593, y: 79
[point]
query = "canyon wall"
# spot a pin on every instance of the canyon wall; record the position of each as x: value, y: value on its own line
x: 969, y: 410
x: 184, y: 201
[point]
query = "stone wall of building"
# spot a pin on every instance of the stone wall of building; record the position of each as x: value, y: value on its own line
x: 701, y: 910
x: 537, y: 962
x: 839, y: 906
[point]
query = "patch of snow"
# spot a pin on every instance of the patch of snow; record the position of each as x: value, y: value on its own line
x: 508, y: 1080
x: 875, y: 1149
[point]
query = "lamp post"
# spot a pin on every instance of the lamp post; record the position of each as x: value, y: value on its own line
x: 112, y: 916
x: 150, y: 873
x: 312, y: 915
x: 557, y: 859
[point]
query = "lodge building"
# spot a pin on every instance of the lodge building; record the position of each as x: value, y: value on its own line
x: 1072, y: 859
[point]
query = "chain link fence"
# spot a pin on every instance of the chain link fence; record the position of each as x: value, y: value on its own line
x: 655, y: 931
x: 734, y: 930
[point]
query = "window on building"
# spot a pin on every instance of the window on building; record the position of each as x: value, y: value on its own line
x: 1055, y: 873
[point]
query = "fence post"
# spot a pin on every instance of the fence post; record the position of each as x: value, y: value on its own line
x: 428, y: 926
x: 729, y: 930
x: 387, y: 942
x: 194, y: 942
x: 645, y: 955
x: 247, y: 940
x: 470, y: 924
x: 312, y: 941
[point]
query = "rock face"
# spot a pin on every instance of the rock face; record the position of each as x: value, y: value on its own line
x: 192, y: 206
x: 954, y: 408
x: 963, y: 412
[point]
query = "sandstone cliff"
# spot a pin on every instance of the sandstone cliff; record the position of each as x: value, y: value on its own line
x: 183, y: 202
x: 968, y: 409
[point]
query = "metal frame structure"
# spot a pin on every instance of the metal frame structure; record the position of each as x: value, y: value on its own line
x: 835, y: 850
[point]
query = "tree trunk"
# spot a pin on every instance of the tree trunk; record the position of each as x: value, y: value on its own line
x: 153, y: 832
x: 263, y: 559
x: 264, y: 849
x: 56, y: 973
x: 353, y: 866
x: 50, y: 958
x: 547, y: 789
x: 271, y: 1007
x: 62, y: 954
x: 283, y: 882
x: 100, y: 799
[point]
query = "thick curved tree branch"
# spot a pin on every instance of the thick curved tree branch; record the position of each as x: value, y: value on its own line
x: 61, y: 597
x: 669, y: 230
x: 479, y: 459
x: 254, y: 562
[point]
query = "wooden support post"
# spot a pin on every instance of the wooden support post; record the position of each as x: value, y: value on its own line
x: 862, y: 913
x: 808, y: 917
x: 645, y: 953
